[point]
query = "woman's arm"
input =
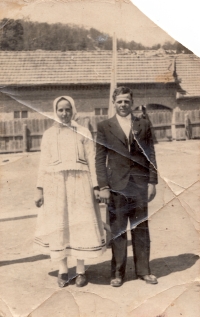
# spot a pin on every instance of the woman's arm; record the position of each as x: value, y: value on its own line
x: 89, y: 150
x: 44, y: 158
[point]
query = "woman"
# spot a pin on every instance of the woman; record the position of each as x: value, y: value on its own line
x: 69, y: 223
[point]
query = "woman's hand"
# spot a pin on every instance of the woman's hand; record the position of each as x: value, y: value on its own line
x: 39, y: 199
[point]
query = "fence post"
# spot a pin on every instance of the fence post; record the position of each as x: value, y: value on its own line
x: 173, y: 124
x: 24, y: 136
x: 188, y: 127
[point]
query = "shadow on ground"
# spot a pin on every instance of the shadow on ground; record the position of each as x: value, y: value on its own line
x: 100, y: 273
x: 24, y: 260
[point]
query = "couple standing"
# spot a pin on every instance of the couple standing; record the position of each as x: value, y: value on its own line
x: 69, y: 186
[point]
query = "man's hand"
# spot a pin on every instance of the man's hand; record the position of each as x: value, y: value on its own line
x: 96, y: 194
x: 151, y: 192
x: 39, y: 199
x: 105, y: 196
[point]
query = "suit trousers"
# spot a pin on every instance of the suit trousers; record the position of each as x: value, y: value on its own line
x: 130, y: 203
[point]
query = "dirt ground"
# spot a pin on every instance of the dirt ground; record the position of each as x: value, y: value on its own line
x: 28, y: 280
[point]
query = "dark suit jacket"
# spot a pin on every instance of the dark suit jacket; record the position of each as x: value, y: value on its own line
x: 115, y: 163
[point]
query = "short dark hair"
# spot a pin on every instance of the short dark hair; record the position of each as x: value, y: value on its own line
x: 122, y: 90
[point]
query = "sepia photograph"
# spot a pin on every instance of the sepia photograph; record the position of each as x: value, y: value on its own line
x: 99, y: 163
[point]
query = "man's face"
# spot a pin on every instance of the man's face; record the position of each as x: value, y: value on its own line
x: 123, y: 105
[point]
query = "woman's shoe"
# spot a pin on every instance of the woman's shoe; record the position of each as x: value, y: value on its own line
x: 81, y: 280
x: 63, y: 280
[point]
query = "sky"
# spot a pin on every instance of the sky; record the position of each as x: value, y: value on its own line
x: 121, y: 17
x: 178, y: 18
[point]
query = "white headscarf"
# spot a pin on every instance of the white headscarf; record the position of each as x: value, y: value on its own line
x: 72, y: 103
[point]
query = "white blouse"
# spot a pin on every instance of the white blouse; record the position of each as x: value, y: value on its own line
x: 67, y: 148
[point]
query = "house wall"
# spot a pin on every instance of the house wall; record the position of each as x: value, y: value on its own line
x: 41, y: 99
x: 37, y: 100
x: 8, y: 105
x: 188, y: 104
x: 154, y: 94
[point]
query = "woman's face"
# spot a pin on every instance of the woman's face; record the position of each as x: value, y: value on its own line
x: 64, y: 111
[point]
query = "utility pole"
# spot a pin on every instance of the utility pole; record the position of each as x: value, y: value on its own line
x: 113, y: 84
x: 111, y: 112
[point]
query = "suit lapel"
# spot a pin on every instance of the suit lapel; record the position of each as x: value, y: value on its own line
x: 117, y: 131
x: 136, y: 126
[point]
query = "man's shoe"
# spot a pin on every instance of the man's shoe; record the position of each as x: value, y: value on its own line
x: 81, y: 280
x: 149, y: 279
x: 63, y: 280
x: 116, y: 281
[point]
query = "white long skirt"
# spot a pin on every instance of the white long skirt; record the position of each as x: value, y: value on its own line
x: 69, y: 222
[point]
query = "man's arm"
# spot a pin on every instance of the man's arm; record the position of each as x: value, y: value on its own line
x: 153, y: 174
x: 101, y: 159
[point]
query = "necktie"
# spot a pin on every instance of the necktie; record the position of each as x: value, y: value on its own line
x: 131, y: 140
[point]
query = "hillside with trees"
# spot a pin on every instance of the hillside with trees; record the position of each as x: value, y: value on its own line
x: 21, y: 35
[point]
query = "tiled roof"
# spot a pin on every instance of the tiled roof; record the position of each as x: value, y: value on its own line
x: 77, y: 67
x: 188, y: 72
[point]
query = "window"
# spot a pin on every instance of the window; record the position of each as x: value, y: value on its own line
x: 105, y: 111
x: 97, y: 111
x: 16, y: 114
x: 20, y: 114
x: 101, y: 111
x: 24, y: 114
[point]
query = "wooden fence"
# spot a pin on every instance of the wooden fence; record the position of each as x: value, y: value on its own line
x: 22, y: 135
x: 161, y: 123
x: 194, y: 122
x: 26, y: 134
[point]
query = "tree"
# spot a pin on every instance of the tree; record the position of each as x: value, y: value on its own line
x: 169, y: 45
x: 156, y: 47
x: 12, y: 35
x: 180, y: 48
x: 26, y: 35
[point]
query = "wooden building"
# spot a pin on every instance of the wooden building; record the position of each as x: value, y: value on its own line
x: 35, y: 78
x: 166, y: 83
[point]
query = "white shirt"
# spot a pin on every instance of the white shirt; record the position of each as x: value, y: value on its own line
x: 125, y: 124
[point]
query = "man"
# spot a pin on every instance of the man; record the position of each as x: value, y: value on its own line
x: 127, y: 175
